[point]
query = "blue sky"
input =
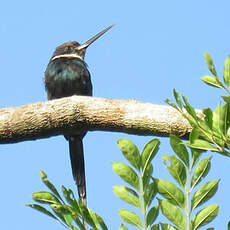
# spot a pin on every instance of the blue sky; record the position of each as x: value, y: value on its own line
x: 155, y: 46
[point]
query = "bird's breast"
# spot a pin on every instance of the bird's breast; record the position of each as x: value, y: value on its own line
x: 66, y: 77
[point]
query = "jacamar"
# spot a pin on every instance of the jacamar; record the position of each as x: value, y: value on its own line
x: 67, y: 75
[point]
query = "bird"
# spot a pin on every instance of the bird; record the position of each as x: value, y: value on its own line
x: 67, y: 74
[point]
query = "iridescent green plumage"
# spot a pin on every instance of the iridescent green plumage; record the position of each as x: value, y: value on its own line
x: 66, y: 77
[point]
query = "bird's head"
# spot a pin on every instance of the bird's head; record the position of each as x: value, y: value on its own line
x: 75, y: 49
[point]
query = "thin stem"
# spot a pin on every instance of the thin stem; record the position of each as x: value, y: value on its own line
x: 143, y: 202
x: 187, y: 192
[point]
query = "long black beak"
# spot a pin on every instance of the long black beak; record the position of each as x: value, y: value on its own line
x: 94, y: 38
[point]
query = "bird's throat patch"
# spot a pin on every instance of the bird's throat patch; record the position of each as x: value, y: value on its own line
x: 67, y: 56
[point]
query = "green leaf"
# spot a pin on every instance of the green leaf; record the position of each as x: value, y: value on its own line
x: 201, y: 171
x: 204, y: 193
x: 149, y: 153
x: 210, y: 80
x: 45, y: 197
x: 128, y: 195
x: 69, y: 196
x: 130, y: 152
x: 68, y: 219
x: 94, y: 218
x: 67, y: 215
x: 171, y: 104
x: 203, y: 145
x: 101, y: 222
x: 76, y: 219
x: 194, y: 135
x: 147, y: 175
x: 49, y: 185
x: 130, y: 217
x: 167, y: 227
x: 205, y: 216
x: 228, y: 142
x: 152, y: 215
x: 226, y: 108
x: 229, y: 225
x: 173, y: 214
x: 86, y: 214
x: 210, y: 63
x: 123, y: 227
x: 149, y: 194
x: 226, y: 99
x: 127, y: 174
x: 189, y: 108
x: 171, y: 192
x: 44, y: 211
x: 60, y: 210
x: 227, y: 72
x: 176, y: 168
x: 219, y: 118
x: 208, y: 116
x: 203, y: 129
x: 177, y: 98
x: 155, y: 227
x: 226, y: 117
x: 74, y: 209
x: 196, y: 153
x: 179, y: 148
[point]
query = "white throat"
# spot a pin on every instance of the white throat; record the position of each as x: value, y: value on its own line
x: 67, y: 56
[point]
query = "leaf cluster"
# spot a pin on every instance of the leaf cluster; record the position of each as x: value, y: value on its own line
x: 67, y: 211
x: 214, y: 79
x: 142, y: 187
x: 178, y: 204
x: 212, y: 131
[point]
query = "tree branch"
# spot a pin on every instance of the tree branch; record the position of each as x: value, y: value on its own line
x: 69, y: 115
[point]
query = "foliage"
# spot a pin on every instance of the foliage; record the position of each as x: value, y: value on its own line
x: 142, y: 188
x: 178, y: 204
x: 212, y: 130
x: 67, y: 211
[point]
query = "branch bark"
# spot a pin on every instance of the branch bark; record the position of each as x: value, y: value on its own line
x: 77, y: 113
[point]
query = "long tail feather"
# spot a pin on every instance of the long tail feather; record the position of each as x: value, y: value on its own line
x: 78, y: 165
